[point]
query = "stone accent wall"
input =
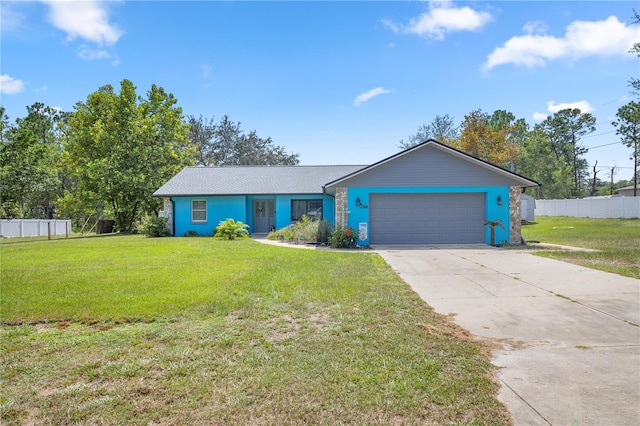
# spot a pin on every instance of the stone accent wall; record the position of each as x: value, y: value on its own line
x: 515, y: 215
x: 342, y: 213
x: 167, y: 211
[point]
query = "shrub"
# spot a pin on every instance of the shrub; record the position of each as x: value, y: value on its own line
x: 286, y: 234
x: 344, y: 238
x: 306, y: 229
x: 324, y: 231
x: 230, y: 230
x: 191, y: 233
x: 154, y: 226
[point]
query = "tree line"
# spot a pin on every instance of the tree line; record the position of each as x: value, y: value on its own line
x: 551, y: 152
x: 108, y: 156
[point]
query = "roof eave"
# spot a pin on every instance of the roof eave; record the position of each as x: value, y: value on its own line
x: 253, y: 194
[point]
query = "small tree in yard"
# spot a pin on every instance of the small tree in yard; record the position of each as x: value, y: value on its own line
x: 230, y: 229
x: 492, y: 224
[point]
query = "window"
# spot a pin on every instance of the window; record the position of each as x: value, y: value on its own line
x: 198, y: 211
x: 311, y: 208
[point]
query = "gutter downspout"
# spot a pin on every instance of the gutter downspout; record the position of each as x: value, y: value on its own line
x: 173, y: 217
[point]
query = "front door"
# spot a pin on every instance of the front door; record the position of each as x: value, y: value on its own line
x: 263, y: 214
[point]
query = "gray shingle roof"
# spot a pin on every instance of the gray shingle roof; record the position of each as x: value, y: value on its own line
x: 253, y: 180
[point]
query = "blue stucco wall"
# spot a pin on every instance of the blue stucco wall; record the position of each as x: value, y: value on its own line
x: 493, y: 211
x: 240, y: 208
x: 218, y: 208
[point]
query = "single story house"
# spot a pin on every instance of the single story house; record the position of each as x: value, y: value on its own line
x: 428, y: 194
x: 627, y: 191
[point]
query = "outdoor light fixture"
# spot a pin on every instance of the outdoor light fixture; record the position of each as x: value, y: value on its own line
x: 358, y: 202
x: 499, y: 200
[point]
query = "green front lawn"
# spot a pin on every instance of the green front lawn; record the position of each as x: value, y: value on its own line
x: 617, y: 242
x: 130, y: 330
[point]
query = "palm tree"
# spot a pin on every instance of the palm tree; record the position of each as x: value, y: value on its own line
x: 492, y: 225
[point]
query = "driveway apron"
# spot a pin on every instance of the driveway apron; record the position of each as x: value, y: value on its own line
x: 570, y: 335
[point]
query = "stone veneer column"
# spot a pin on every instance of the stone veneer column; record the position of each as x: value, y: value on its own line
x: 342, y: 213
x: 515, y: 215
x: 167, y: 210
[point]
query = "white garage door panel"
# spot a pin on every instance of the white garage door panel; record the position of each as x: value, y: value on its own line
x: 427, y: 218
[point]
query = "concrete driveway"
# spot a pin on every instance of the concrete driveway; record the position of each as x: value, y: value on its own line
x: 570, y: 335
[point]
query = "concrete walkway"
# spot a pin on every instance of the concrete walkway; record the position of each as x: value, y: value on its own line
x: 570, y: 335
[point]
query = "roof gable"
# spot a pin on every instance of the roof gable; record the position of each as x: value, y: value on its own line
x: 431, y: 164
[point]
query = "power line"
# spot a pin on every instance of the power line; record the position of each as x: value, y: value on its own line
x: 598, y: 134
x: 600, y: 146
x: 611, y: 167
x: 622, y: 99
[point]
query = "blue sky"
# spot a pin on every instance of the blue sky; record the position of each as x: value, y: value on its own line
x: 336, y: 82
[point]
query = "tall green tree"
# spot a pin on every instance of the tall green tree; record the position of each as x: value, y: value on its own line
x: 538, y: 163
x: 122, y: 147
x: 201, y: 134
x: 4, y: 123
x: 226, y: 144
x: 565, y: 129
x: 634, y: 82
x: 628, y: 127
x: 30, y: 178
x: 442, y: 129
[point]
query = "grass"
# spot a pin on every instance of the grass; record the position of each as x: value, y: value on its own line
x: 129, y: 330
x: 617, y: 242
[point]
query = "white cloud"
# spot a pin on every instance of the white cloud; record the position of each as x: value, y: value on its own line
x: 10, y: 85
x: 540, y: 116
x: 367, y: 96
x: 554, y: 107
x: 87, y: 20
x: 583, y: 106
x: 581, y: 39
x: 89, y: 54
x: 535, y: 27
x: 442, y: 18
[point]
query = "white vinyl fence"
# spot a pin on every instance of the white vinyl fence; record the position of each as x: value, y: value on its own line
x: 34, y: 227
x: 613, y: 207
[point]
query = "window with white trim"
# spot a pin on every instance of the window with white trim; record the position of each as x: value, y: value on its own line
x: 198, y: 210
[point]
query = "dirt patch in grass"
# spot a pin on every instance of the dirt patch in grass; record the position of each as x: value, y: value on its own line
x: 282, y: 328
x: 486, y: 345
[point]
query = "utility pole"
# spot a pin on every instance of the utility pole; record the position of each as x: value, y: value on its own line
x: 593, y: 185
x: 613, y: 171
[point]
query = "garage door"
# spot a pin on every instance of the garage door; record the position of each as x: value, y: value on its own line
x: 427, y: 218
